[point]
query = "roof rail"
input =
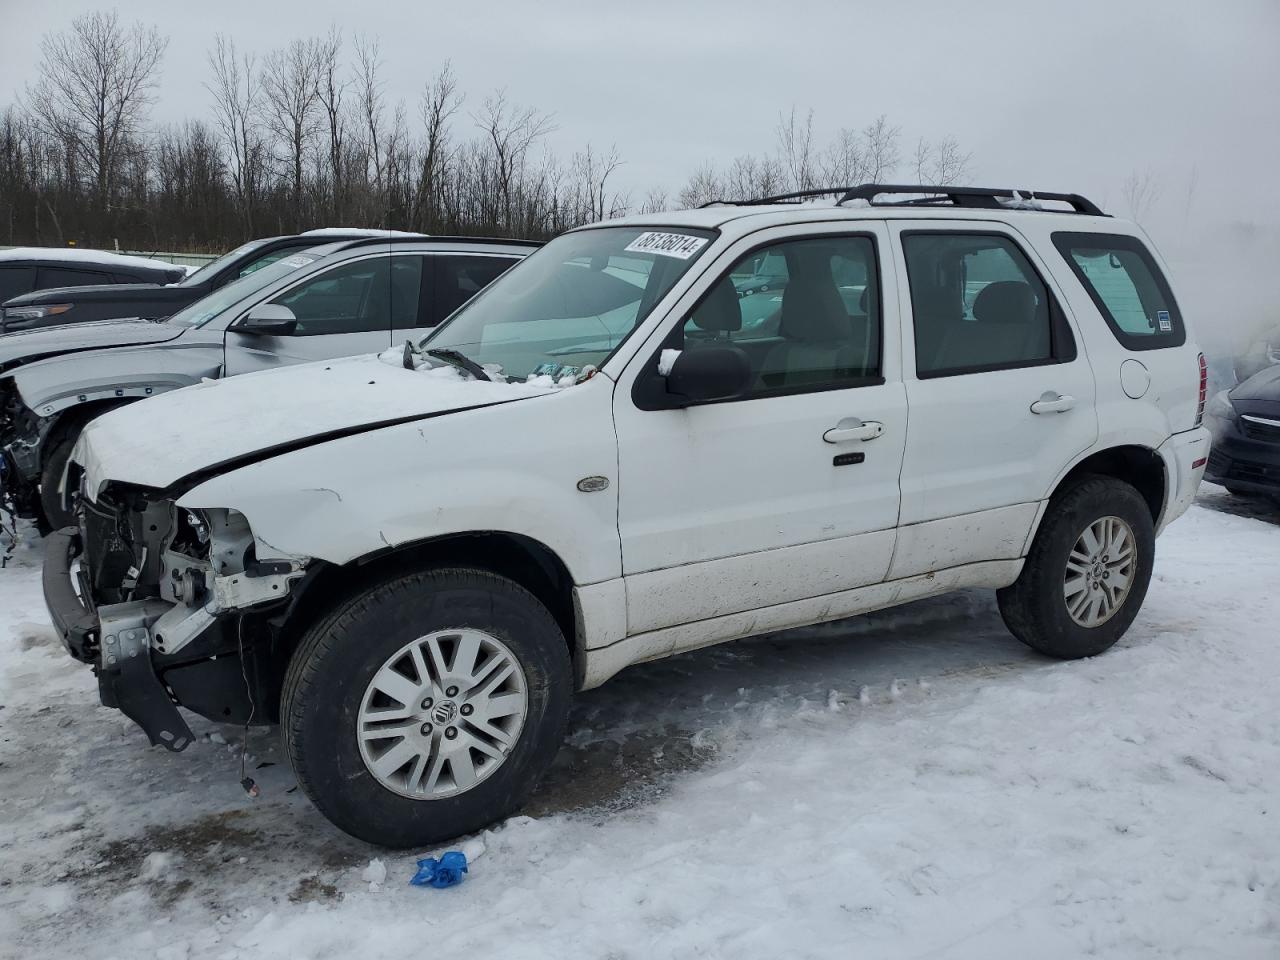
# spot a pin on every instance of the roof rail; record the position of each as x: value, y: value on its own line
x: 434, y: 237
x: 928, y: 195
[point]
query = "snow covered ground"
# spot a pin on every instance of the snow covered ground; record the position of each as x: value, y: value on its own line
x: 909, y: 784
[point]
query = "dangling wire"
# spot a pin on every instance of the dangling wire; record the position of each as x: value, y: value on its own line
x: 246, y: 781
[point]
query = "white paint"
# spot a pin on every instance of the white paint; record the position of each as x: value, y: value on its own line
x: 1134, y: 379
x: 602, y: 663
x: 997, y: 534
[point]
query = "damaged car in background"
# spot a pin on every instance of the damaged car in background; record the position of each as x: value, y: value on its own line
x: 332, y: 300
x: 412, y: 561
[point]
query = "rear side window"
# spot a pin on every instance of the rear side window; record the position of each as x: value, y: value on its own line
x: 60, y: 277
x: 15, y: 281
x: 977, y: 304
x: 459, y: 278
x: 1127, y: 288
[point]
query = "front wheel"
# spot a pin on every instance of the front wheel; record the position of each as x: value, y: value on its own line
x: 427, y: 706
x: 1087, y: 573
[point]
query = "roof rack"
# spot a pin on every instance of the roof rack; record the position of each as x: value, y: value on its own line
x: 980, y: 197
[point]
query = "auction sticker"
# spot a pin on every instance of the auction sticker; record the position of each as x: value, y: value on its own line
x: 678, y: 245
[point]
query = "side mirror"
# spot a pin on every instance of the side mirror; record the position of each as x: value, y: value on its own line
x: 268, y: 320
x: 709, y: 373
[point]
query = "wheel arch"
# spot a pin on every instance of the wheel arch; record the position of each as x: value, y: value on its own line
x: 1142, y: 467
x: 520, y: 558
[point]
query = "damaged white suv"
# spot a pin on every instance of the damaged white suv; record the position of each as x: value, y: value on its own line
x: 654, y: 434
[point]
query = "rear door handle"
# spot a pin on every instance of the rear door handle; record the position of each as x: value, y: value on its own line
x: 1051, y: 402
x: 851, y: 428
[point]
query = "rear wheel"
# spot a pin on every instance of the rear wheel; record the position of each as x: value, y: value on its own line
x: 1087, y: 572
x: 427, y: 706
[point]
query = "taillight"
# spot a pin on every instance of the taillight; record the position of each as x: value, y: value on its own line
x: 1204, y: 390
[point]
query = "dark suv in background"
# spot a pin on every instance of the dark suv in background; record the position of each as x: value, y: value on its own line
x: 26, y: 270
x: 153, y: 300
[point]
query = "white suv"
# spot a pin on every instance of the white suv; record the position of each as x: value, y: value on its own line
x: 627, y: 447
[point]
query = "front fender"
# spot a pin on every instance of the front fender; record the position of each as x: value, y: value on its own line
x: 513, y: 468
x: 51, y: 386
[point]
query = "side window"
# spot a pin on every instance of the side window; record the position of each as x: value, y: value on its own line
x: 805, y: 312
x: 353, y: 298
x: 15, y: 281
x: 459, y: 278
x: 63, y: 277
x: 977, y: 304
x: 1126, y: 286
x: 263, y: 261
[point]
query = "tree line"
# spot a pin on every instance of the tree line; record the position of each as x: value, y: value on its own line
x: 306, y: 136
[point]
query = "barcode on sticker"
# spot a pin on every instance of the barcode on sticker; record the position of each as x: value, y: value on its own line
x: 678, y: 245
x: 1162, y: 317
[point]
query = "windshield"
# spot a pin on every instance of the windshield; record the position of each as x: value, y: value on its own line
x: 206, y: 308
x: 573, y: 302
x: 209, y: 269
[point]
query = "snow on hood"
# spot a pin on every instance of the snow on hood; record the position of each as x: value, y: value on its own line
x: 159, y: 441
x: 25, y: 346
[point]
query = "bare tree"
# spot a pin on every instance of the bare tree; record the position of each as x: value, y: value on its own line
x: 510, y: 131
x: 1140, y: 193
x: 96, y: 81
x: 940, y: 163
x: 590, y: 173
x: 795, y: 144
x: 880, y: 149
x: 843, y: 162
x: 440, y: 101
x: 237, y: 96
x: 330, y: 90
x: 290, y: 91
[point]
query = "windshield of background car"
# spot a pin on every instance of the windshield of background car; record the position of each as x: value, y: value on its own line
x: 573, y: 302
x: 213, y: 266
x: 206, y: 308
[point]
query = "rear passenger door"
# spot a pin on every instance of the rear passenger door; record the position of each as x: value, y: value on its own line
x: 341, y: 312
x: 1000, y: 393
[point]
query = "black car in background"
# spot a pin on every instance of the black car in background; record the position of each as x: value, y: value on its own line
x: 25, y: 270
x: 154, y: 300
x: 1245, y: 422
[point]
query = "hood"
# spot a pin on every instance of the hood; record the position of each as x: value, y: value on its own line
x: 1263, y: 385
x: 27, y: 346
x: 222, y: 424
x: 96, y: 292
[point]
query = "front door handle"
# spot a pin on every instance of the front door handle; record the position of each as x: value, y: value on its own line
x: 1051, y: 402
x: 851, y: 428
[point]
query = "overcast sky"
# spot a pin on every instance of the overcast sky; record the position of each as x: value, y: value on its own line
x: 1072, y: 99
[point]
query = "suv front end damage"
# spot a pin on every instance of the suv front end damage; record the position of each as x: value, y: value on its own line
x: 170, y: 607
x: 21, y: 433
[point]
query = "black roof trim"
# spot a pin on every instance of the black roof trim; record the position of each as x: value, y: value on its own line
x: 928, y: 195
x: 433, y: 237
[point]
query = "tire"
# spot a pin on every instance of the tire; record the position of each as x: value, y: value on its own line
x: 330, y: 680
x: 55, y: 515
x: 1035, y: 607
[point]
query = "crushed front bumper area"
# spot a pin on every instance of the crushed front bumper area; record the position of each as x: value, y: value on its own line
x: 116, y: 642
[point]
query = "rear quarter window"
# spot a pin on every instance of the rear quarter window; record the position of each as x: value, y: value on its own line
x: 1127, y: 287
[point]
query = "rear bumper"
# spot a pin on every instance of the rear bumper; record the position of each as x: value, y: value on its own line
x: 1186, y: 455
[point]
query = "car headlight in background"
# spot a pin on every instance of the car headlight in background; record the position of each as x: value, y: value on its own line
x: 1220, y: 406
x: 36, y: 313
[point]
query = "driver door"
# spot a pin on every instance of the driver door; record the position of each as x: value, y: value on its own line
x: 343, y: 311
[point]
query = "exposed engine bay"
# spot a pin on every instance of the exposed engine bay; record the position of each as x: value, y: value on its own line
x: 174, y: 609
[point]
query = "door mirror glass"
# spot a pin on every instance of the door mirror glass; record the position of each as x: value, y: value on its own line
x: 268, y: 320
x: 709, y: 373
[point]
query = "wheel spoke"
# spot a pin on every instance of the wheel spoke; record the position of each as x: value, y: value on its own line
x: 462, y: 767
x: 464, y: 657
x: 372, y: 731
x: 1074, y: 585
x: 394, y: 759
x: 396, y: 686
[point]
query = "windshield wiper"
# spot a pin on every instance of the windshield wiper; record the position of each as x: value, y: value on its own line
x: 459, y: 359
